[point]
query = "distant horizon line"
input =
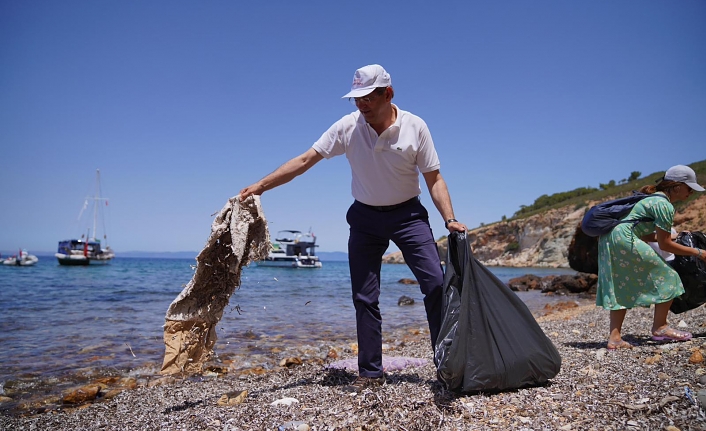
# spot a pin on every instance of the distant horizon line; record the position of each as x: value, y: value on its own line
x: 137, y: 253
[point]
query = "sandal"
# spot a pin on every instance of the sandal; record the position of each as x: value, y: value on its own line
x: 622, y: 344
x: 670, y: 334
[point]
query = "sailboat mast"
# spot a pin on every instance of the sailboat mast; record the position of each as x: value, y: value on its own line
x: 96, y: 198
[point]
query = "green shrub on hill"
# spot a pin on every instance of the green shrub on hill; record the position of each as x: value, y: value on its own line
x: 545, y: 201
x: 581, y: 196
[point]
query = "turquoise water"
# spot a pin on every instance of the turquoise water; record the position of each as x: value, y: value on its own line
x: 57, y: 322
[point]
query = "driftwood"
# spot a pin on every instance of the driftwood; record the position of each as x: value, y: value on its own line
x: 653, y: 406
x: 238, y: 236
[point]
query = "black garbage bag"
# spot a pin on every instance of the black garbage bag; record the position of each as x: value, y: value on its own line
x: 489, y: 341
x: 692, y: 272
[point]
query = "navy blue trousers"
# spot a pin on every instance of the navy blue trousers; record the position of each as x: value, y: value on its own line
x: 370, y: 233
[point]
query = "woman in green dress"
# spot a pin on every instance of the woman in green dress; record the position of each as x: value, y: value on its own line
x: 631, y: 274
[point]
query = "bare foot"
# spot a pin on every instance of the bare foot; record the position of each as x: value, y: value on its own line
x: 620, y: 344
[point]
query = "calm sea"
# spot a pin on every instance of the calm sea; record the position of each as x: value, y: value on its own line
x: 58, y: 322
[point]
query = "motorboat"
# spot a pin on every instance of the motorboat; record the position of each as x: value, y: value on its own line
x: 23, y: 258
x: 292, y: 249
x: 88, y: 250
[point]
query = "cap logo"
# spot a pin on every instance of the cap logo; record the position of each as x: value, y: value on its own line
x: 366, y: 79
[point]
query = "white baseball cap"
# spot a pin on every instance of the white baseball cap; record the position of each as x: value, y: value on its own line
x: 683, y: 174
x: 367, y: 79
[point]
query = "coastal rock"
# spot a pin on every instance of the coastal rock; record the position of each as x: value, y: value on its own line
x: 692, y: 216
x: 525, y: 283
x: 549, y: 286
x: 697, y: 357
x: 166, y: 380
x: 256, y: 371
x: 541, y: 240
x: 578, y: 283
x: 559, y: 307
x: 405, y: 300
x: 574, y: 283
x: 105, y: 382
x: 112, y: 386
x: 408, y: 281
x: 232, y: 398
x: 81, y: 395
x: 112, y: 393
x: 332, y: 353
x: 394, y: 258
x: 127, y: 383
x: 290, y: 362
x: 547, y: 283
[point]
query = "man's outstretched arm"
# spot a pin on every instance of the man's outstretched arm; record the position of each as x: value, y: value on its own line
x: 284, y: 174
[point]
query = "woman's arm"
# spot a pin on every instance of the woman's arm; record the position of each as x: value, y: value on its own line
x: 664, y: 239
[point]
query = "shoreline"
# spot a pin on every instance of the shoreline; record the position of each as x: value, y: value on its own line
x: 641, y: 388
x: 117, y: 366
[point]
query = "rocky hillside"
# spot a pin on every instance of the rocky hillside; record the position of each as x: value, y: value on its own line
x: 543, y: 239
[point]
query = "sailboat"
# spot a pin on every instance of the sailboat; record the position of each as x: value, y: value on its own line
x: 87, y: 250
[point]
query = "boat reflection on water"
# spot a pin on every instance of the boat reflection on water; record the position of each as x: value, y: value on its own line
x: 292, y: 249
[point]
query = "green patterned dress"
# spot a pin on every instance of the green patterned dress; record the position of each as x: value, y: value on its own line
x: 630, y: 273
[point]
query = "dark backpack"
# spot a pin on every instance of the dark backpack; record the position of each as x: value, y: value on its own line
x: 602, y: 218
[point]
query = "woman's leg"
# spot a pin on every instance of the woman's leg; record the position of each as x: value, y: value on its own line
x: 616, y: 325
x: 661, y: 330
x: 660, y: 320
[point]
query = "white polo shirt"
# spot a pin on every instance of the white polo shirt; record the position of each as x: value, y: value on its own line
x: 385, y: 168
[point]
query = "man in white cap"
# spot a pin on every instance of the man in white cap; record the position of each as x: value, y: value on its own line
x: 387, y: 148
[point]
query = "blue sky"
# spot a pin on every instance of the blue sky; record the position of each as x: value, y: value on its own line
x: 181, y: 104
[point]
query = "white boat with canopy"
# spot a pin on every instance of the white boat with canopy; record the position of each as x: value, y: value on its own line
x: 293, y: 249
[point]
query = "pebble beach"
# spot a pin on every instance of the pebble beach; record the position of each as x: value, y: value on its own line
x: 654, y: 386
